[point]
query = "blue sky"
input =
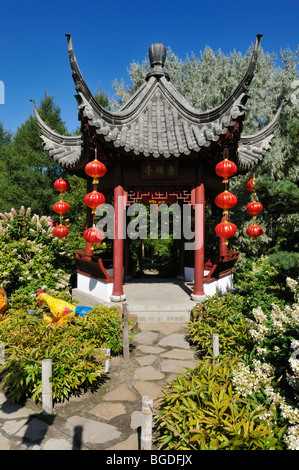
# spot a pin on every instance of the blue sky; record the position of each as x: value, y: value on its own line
x: 109, y: 35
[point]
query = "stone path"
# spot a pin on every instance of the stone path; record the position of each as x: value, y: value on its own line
x: 109, y: 418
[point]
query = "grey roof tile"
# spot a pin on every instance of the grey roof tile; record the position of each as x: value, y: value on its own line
x: 158, y: 121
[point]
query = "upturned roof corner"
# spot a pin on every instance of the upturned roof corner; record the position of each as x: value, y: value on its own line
x: 157, y: 121
x: 67, y: 151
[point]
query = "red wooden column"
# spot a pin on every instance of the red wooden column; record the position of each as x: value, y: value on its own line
x: 181, y: 274
x: 118, y: 242
x: 198, y: 294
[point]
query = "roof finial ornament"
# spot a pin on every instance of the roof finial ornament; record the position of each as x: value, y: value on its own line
x: 157, y: 56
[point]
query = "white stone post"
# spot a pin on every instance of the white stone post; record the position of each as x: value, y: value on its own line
x: 126, y: 346
x: 215, y: 345
x: 47, y: 398
x: 146, y: 423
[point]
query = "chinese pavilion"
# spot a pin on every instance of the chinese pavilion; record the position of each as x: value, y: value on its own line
x: 156, y: 147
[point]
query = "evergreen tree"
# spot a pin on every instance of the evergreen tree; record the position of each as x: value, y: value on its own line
x: 27, y: 172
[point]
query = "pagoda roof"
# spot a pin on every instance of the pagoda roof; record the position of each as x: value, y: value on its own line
x: 157, y: 121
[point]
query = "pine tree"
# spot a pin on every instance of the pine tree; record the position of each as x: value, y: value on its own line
x: 27, y: 172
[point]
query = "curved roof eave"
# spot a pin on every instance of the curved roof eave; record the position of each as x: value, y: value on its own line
x: 253, y: 148
x: 67, y: 151
x: 130, y: 109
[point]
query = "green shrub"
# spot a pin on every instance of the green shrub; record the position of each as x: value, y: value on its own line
x: 73, y: 348
x: 202, y: 411
x: 222, y: 315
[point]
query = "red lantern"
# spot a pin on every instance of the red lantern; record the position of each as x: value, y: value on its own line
x: 225, y: 230
x: 254, y: 208
x: 96, y: 170
x: 93, y: 200
x: 226, y: 200
x: 250, y: 185
x: 254, y: 231
x: 93, y: 235
x: 61, y: 185
x: 60, y: 231
x: 61, y: 207
x: 226, y: 169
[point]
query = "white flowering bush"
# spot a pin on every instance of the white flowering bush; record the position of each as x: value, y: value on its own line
x: 272, y: 377
x: 31, y: 257
x: 259, y: 328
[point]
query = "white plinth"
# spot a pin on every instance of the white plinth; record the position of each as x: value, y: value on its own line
x: 222, y: 286
x: 89, y: 285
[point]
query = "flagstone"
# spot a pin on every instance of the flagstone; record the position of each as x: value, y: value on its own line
x: 165, y: 328
x: 4, y: 443
x: 93, y: 431
x: 148, y: 373
x: 129, y: 444
x: 57, y: 444
x: 150, y: 349
x: 12, y: 411
x: 13, y: 426
x: 174, y: 365
x: 108, y: 410
x: 146, y: 360
x: 175, y: 340
x: 120, y: 393
x: 145, y: 337
x: 33, y: 430
x: 148, y: 388
x: 177, y: 353
x: 136, y: 419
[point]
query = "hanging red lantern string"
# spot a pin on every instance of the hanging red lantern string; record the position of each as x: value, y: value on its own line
x: 95, y: 169
x: 93, y: 236
x: 253, y: 208
x: 60, y: 231
x: 226, y: 200
x: 225, y: 230
x: 61, y: 185
x: 254, y: 231
x: 61, y: 207
x: 226, y: 168
x: 250, y: 186
x: 93, y: 200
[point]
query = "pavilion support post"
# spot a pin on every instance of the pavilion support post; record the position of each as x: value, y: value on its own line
x: 198, y: 294
x: 181, y: 274
x: 222, y: 246
x: 126, y: 253
x: 119, y: 235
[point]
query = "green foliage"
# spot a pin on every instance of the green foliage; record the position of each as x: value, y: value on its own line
x: 247, y: 397
x: 257, y: 281
x: 102, y: 98
x: 221, y: 315
x: 27, y: 172
x: 74, y: 348
x: 201, y: 410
